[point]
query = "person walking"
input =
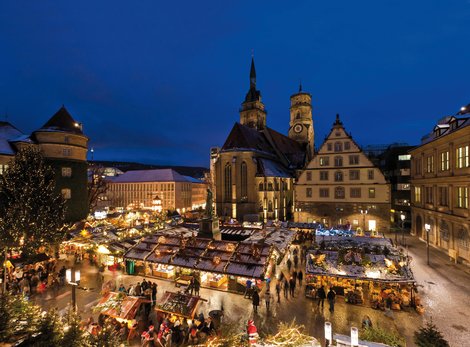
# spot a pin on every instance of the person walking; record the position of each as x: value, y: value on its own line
x: 296, y: 261
x: 292, y: 286
x: 331, y: 299
x: 286, y: 288
x: 289, y: 264
x: 267, y: 299
x: 278, y: 291
x: 248, y: 289
x: 300, y: 277
x: 294, y: 275
x: 154, y: 293
x: 321, y: 295
x: 197, y: 286
x: 255, y: 300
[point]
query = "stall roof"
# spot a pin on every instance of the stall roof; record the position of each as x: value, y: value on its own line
x: 179, y: 304
x: 128, y: 307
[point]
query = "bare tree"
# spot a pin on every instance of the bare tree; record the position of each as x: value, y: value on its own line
x: 97, y: 185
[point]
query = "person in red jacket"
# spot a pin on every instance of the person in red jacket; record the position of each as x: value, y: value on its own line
x: 252, y: 332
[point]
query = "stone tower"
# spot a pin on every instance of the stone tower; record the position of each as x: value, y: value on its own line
x: 301, y: 122
x: 252, y: 112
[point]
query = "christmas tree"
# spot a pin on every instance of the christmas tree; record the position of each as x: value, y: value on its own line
x: 73, y: 336
x: 31, y: 211
x: 50, y: 330
x: 429, y: 336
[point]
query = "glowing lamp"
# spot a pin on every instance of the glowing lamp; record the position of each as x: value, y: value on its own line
x: 354, y: 336
x: 328, y: 332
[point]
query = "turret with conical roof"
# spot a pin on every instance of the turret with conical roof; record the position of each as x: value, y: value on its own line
x: 252, y: 112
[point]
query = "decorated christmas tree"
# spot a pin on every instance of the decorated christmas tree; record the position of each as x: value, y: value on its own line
x: 74, y: 336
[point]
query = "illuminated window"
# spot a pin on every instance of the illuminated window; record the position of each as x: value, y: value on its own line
x: 66, y: 193
x: 462, y: 157
x: 462, y: 197
x: 403, y: 157
x: 444, y: 161
x: 3, y: 168
x: 371, y: 193
x: 418, y: 194
x: 324, y: 161
x: 66, y: 172
x: 430, y: 164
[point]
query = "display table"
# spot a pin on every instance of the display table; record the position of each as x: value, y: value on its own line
x: 213, y: 282
x: 162, y: 274
x: 183, y: 280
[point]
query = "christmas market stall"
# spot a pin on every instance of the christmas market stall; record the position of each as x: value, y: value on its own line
x: 123, y: 307
x: 178, y: 305
x: 364, y: 270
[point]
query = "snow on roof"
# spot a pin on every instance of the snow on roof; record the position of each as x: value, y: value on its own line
x: 156, y: 175
x: 272, y: 169
x: 7, y: 133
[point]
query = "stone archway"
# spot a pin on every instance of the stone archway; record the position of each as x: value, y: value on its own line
x: 419, y: 226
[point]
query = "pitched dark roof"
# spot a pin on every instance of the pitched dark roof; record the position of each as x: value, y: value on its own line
x: 8, y: 132
x: 62, y: 121
x: 244, y: 137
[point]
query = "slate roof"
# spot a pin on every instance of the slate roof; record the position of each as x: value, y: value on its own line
x: 8, y: 133
x: 157, y: 175
x: 446, y: 126
x: 269, y: 141
x: 270, y: 168
x: 62, y: 121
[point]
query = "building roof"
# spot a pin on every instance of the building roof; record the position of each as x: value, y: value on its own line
x: 445, y: 126
x: 7, y: 134
x: 62, y: 121
x: 270, y: 168
x: 157, y: 175
x: 268, y: 141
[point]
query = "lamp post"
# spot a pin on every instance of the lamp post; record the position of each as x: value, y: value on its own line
x: 73, y: 277
x: 328, y: 334
x: 427, y: 227
x: 402, y: 217
x: 298, y: 214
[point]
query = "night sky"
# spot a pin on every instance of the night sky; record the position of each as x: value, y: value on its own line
x: 162, y: 81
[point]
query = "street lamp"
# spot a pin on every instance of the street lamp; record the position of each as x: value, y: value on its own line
x: 298, y: 214
x: 427, y: 227
x: 402, y: 217
x: 328, y: 334
x: 73, y: 278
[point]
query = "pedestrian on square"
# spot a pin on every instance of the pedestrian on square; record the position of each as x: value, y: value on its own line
x: 300, y: 277
x: 296, y: 261
x: 197, y: 286
x: 255, y: 300
x: 267, y: 298
x: 321, y: 295
x: 294, y: 275
x: 138, y: 289
x: 292, y: 286
x: 331, y: 299
x: 278, y: 291
x: 248, y: 289
x: 289, y: 264
x: 286, y: 288
x: 154, y: 293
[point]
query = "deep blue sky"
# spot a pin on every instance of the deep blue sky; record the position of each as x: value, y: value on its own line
x: 162, y: 81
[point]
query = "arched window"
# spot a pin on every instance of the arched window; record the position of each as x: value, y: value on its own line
x: 444, y: 231
x: 260, y: 187
x: 338, y: 147
x: 339, y: 193
x: 244, y: 181
x: 270, y: 206
x: 270, y: 186
x: 338, y: 161
x: 463, y: 238
x: 298, y: 115
x: 338, y: 176
x: 228, y: 182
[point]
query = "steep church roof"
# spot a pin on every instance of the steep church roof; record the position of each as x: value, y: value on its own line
x: 62, y: 121
x: 8, y: 133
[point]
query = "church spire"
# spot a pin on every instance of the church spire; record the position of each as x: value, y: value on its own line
x: 252, y: 73
x: 300, y: 86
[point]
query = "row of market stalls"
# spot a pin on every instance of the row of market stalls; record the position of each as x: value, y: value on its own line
x: 225, y: 265
x: 365, y: 270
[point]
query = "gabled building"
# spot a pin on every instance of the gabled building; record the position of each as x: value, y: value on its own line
x: 440, y: 183
x: 254, y: 171
x: 64, y: 146
x: 341, y: 186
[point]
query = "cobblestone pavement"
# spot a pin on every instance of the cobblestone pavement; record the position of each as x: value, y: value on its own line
x: 442, y: 286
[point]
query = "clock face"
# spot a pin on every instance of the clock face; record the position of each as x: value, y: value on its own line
x: 298, y: 128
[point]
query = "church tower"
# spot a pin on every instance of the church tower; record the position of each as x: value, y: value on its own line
x: 301, y: 122
x: 252, y: 112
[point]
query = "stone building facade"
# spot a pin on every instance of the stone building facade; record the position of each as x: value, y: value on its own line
x: 254, y: 171
x: 440, y: 179
x: 341, y: 186
x: 65, y: 147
